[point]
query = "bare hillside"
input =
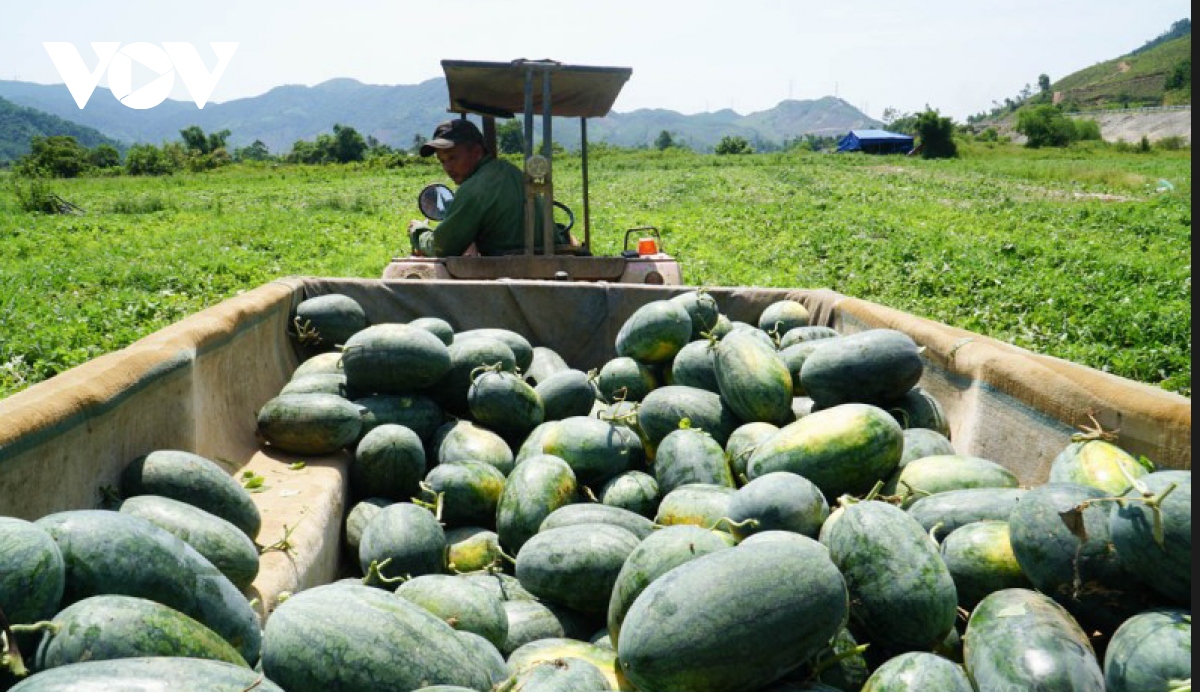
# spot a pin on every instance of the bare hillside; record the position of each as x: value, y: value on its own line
x: 1126, y: 125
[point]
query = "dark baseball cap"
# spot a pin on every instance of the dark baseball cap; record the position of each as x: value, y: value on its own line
x: 450, y: 133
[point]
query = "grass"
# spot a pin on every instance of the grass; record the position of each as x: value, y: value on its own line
x: 1076, y: 254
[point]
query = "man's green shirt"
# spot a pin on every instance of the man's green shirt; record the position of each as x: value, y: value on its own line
x: 488, y: 209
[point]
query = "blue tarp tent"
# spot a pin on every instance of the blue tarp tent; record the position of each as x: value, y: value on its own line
x: 876, y: 142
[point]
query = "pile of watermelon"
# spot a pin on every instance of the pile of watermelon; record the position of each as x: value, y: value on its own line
x: 721, y: 507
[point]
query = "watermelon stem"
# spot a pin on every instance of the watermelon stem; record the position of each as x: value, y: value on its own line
x: 10, y: 654
x: 283, y: 545
x: 483, y: 369
x: 752, y: 523
x: 305, y: 333
x: 436, y: 505
x: 825, y: 664
x: 375, y: 576
x: 1073, y: 516
x: 1095, y: 431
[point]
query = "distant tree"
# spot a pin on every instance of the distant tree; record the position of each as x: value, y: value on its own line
x: 937, y: 135
x: 1044, y: 83
x: 348, y: 144
x: 147, y: 159
x: 197, y: 142
x: 257, y: 151
x: 510, y: 137
x: 1087, y: 130
x: 60, y: 156
x: 104, y: 156
x: 1180, y: 76
x: 732, y: 144
x: 418, y: 141
x: 1046, y: 126
x: 664, y: 141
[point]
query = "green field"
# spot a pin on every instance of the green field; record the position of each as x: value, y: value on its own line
x: 1081, y: 254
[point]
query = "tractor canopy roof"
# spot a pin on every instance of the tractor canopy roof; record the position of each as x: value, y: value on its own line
x: 498, y: 89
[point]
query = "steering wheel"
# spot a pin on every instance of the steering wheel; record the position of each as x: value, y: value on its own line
x: 570, y: 215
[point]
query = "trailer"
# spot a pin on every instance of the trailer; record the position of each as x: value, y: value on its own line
x: 197, y: 386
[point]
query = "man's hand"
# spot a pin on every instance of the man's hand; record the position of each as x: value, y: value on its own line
x: 415, y: 228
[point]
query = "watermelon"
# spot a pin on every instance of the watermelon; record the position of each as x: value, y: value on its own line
x: 690, y: 456
x: 113, y: 553
x: 408, y: 537
x: 102, y: 628
x: 656, y: 555
x: 700, y: 504
x: 576, y: 565
x: 177, y: 674
x: 528, y: 621
x: 901, y: 591
x: 778, y: 501
x: 389, y: 462
x: 460, y: 604
x: 317, y: 383
x: 1068, y: 554
x: 559, y: 675
x: 1097, y: 463
x: 1164, y: 566
x: 655, y: 332
x: 545, y: 363
x: 625, y: 379
x: 805, y: 334
x: 694, y: 366
x: 466, y: 356
x: 664, y: 408
x: 394, y: 359
x: 793, y: 356
x: 733, y: 620
x: 417, y: 412
x: 944, y: 512
x: 923, y: 442
x: 472, y: 548
x: 565, y: 394
x: 346, y: 636
x: 635, y: 491
x: 220, y: 542
x: 436, y: 326
x: 742, y: 443
x: 320, y: 364
x: 753, y: 380
x: 918, y: 408
x: 980, y: 557
x: 195, y: 480
x: 309, y: 424
x: 32, y: 574
x: 1150, y: 651
x: 535, y: 488
x: 519, y: 345
x: 470, y: 492
x: 594, y: 513
x: 596, y: 450
x: 703, y: 310
x: 844, y: 449
x: 783, y: 316
x: 503, y: 402
x: 929, y: 476
x: 549, y: 650
x: 325, y: 322
x: 1018, y: 639
x: 357, y: 519
x: 871, y: 367
x: 916, y: 672
x: 458, y: 440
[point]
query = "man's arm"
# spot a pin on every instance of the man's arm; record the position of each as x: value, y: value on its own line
x: 457, y: 231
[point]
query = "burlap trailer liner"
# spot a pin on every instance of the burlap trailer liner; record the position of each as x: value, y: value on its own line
x: 197, y: 385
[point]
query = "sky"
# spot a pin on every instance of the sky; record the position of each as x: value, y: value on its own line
x: 955, y: 56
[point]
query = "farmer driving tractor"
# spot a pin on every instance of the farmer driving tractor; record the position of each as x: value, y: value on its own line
x: 487, y: 214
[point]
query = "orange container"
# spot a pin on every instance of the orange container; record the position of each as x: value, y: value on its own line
x: 647, y: 246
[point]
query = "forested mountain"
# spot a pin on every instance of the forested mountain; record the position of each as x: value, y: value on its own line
x: 19, y: 125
